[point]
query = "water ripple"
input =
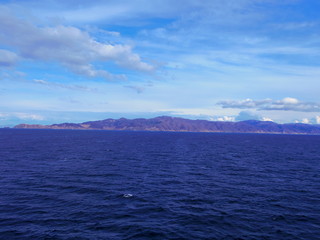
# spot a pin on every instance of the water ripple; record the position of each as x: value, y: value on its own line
x: 144, y: 185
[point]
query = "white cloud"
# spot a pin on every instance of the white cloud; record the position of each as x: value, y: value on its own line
x: 289, y: 100
x: 64, y: 86
x: 22, y: 116
x: 69, y: 46
x: 138, y: 89
x: 295, y: 25
x: 242, y: 116
x: 303, y: 120
x: 266, y: 119
x: 310, y: 120
x: 131, y: 11
x: 286, y: 104
x: 224, y: 119
x: 7, y: 58
x: 29, y: 116
x: 243, y: 104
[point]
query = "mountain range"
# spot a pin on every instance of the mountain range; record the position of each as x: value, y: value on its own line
x: 175, y: 124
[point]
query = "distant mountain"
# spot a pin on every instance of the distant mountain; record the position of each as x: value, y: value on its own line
x: 184, y: 125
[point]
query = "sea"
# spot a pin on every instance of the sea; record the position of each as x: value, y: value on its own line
x: 83, y: 184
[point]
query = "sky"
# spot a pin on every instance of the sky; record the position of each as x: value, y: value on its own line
x: 219, y: 60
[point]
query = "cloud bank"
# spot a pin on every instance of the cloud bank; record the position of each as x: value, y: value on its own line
x: 69, y: 46
x: 21, y: 115
x: 286, y: 104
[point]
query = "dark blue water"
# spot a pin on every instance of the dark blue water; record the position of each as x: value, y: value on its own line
x: 60, y: 184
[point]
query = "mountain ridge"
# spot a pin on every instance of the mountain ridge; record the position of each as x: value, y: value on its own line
x: 176, y: 124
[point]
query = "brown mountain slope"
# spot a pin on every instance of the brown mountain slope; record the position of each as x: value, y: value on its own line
x: 184, y: 125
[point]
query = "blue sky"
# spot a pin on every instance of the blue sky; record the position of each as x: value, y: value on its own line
x: 73, y: 61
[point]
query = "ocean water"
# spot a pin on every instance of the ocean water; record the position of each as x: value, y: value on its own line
x: 64, y: 184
